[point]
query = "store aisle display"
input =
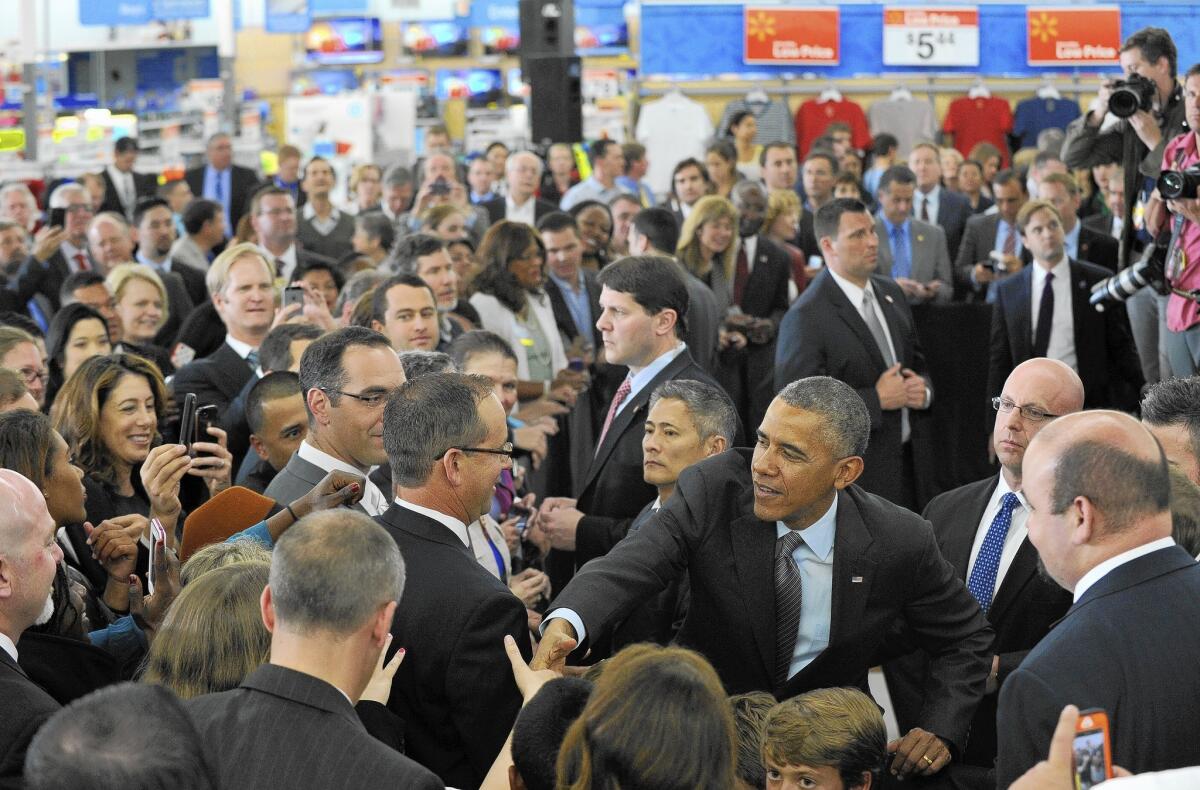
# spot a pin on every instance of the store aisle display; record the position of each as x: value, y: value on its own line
x: 815, y: 115
x: 1035, y: 115
x: 672, y: 128
x: 909, y: 120
x: 979, y: 118
x: 773, y: 117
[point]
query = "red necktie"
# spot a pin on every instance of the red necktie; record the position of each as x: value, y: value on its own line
x: 82, y: 260
x: 1010, y: 242
x: 619, y: 398
x: 740, y: 276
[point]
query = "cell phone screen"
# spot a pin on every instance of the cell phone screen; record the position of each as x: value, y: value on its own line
x: 1092, y: 750
x: 58, y: 218
x: 293, y: 294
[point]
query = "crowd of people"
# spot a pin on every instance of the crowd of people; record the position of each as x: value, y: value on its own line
x: 507, y: 472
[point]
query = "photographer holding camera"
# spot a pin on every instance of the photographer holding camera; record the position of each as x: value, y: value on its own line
x: 1177, y: 191
x: 1150, y: 108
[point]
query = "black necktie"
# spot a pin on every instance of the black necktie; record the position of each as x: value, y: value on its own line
x: 1041, y: 338
x: 787, y: 603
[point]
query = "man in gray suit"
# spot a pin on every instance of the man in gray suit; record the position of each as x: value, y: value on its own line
x: 911, y: 252
x: 346, y: 377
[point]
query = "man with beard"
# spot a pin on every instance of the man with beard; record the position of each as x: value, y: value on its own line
x: 28, y: 556
x: 981, y: 531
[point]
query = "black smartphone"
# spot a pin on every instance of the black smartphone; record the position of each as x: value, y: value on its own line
x: 293, y: 294
x: 205, y: 417
x: 187, y: 421
x: 439, y: 187
x: 58, y: 218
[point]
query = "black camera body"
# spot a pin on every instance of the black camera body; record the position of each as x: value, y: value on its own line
x: 1131, y: 94
x: 1150, y: 270
x: 1179, y: 184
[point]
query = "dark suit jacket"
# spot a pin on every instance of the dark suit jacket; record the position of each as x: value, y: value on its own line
x: 824, y: 335
x: 562, y: 315
x: 265, y: 734
x: 886, y: 568
x: 1096, y: 246
x: 26, y: 707
x: 297, y: 478
x: 179, y: 306
x: 1129, y: 646
x: 35, y: 277
x: 455, y: 689
x: 233, y: 420
x: 1022, y: 612
x: 1107, y: 360
x: 953, y: 212
x: 193, y: 280
x: 144, y: 185
x: 497, y: 207
x: 242, y: 184
x: 215, y: 379
x: 979, y: 239
x: 613, y: 490
x: 1100, y: 223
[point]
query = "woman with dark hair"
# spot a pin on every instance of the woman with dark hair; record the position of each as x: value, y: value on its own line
x: 109, y: 413
x: 743, y: 127
x: 322, y: 279
x: 721, y: 159
x: 595, y: 230
x: 76, y: 334
x: 657, y: 717
x: 512, y: 304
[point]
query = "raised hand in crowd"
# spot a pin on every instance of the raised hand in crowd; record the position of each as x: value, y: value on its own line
x: 1057, y: 771
x: 379, y: 687
x: 161, y: 474
x: 148, y: 611
x: 47, y: 241
x: 115, y: 546
x: 211, y: 461
x: 336, y: 489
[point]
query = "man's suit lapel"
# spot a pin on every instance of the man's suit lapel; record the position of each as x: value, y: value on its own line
x: 956, y: 546
x: 634, y: 409
x: 853, y: 571
x: 310, y: 474
x: 754, y: 560
x: 1022, y: 327
x: 993, y: 228
x: 1081, y: 312
x: 1020, y: 573
x: 761, y: 268
x: 7, y: 661
x: 884, y: 261
x: 423, y: 527
x: 850, y: 315
x: 896, y: 329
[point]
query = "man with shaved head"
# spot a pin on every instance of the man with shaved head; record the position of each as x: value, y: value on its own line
x: 981, y: 531
x: 28, y: 556
x: 1098, y: 492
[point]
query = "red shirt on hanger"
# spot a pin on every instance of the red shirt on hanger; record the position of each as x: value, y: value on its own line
x: 979, y: 120
x: 814, y: 117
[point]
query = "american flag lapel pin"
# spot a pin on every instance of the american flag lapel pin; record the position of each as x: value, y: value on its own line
x: 920, y: 237
x: 889, y: 301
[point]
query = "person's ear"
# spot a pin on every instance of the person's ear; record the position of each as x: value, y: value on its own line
x: 383, y: 623
x: 515, y: 782
x: 318, y: 405
x: 848, y: 470
x: 6, y: 577
x: 664, y: 322
x: 259, y: 447
x: 1085, y: 520
x: 715, y: 445
x: 267, y: 604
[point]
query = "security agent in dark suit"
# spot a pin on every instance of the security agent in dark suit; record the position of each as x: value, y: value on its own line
x: 335, y: 586
x: 933, y: 202
x: 45, y: 270
x: 974, y: 269
x: 796, y: 574
x: 124, y: 197
x: 1099, y: 491
x: 28, y: 557
x: 911, y: 252
x: 981, y: 530
x: 574, y: 293
x: 221, y: 180
x: 753, y: 302
x: 857, y: 327
x: 1044, y: 311
x: 1083, y: 243
x: 446, y: 440
x: 643, y: 304
x: 655, y: 231
x: 241, y: 288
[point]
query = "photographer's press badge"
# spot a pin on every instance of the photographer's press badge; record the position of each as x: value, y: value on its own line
x: 1176, y: 257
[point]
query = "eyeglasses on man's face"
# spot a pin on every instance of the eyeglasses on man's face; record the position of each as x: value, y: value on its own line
x: 505, y: 450
x: 1031, y: 413
x: 372, y: 400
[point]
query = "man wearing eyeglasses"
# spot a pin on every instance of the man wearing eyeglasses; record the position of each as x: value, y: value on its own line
x: 980, y: 529
x: 446, y: 440
x: 19, y: 352
x: 1043, y: 311
x: 58, y: 251
x: 346, y: 377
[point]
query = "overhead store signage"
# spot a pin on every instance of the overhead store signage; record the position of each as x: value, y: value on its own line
x: 120, y: 13
x: 930, y: 36
x: 804, y: 36
x: 1073, y: 36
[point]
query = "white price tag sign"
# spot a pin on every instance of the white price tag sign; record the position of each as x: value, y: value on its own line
x: 930, y: 36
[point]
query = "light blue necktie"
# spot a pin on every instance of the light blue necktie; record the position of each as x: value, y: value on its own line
x: 901, y: 257
x: 987, y: 565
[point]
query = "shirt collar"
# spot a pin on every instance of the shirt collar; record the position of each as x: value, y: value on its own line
x: 1112, y: 563
x: 853, y: 292
x: 308, y: 212
x: 165, y: 266
x: 891, y: 229
x: 1061, y: 271
x: 819, y: 536
x: 450, y: 522
x: 1003, y: 488
x: 579, y: 284
x: 242, y: 349
x: 324, y: 460
x: 646, y: 374
x: 1072, y: 239
x: 932, y: 194
x: 8, y: 646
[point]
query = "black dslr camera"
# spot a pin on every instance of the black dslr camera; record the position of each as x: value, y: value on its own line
x: 1131, y: 94
x: 1150, y: 269
x: 1179, y: 184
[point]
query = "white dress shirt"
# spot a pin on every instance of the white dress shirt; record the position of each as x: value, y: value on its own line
x: 287, y: 262
x: 70, y: 252
x: 1017, y: 531
x: 8, y: 646
x: 933, y: 198
x: 373, y: 500
x: 639, y: 380
x: 322, y: 226
x: 240, y: 348
x: 1071, y: 240
x: 1112, y: 563
x: 1062, y: 327
x: 449, y: 522
x: 522, y: 213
